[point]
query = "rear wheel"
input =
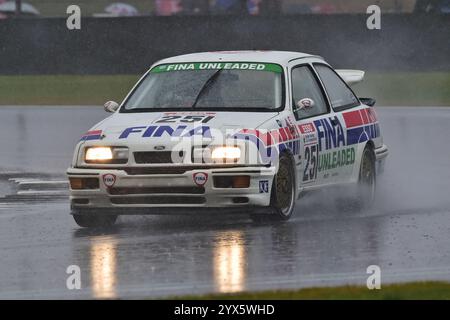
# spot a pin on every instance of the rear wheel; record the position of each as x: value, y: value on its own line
x: 94, y: 221
x: 367, y: 179
x: 282, y: 198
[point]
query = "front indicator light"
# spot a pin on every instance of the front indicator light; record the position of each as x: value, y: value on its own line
x: 83, y: 183
x: 99, y: 154
x: 76, y: 183
x: 241, y: 182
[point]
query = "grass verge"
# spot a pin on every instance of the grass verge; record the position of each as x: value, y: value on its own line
x: 64, y: 89
x: 407, y: 291
x: 408, y: 89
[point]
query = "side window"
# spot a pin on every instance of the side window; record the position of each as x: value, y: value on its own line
x: 340, y: 95
x: 304, y: 85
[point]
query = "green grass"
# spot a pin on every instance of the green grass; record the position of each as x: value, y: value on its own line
x: 411, y: 89
x: 415, y: 89
x: 64, y: 89
x: 408, y: 291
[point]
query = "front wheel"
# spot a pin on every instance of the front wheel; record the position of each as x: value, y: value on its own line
x: 94, y: 221
x: 282, y: 198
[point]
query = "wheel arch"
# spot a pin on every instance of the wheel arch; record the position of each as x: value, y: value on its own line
x: 370, y: 144
x: 359, y: 154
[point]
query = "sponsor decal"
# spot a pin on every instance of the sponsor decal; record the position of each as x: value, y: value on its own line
x: 157, y: 131
x: 264, y: 186
x: 271, y: 67
x: 309, y: 139
x: 336, y: 159
x: 266, y: 138
x: 270, y: 142
x: 317, y: 162
x: 362, y: 125
x: 200, y: 178
x: 109, y: 179
x: 359, y: 117
x: 309, y: 133
x: 361, y: 134
x: 293, y: 131
x: 327, y: 133
x: 307, y: 128
x: 330, y: 133
x: 92, y: 135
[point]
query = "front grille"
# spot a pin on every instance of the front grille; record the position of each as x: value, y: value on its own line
x: 80, y: 201
x: 240, y: 200
x: 170, y: 170
x: 158, y: 157
x: 156, y: 190
x: 169, y: 200
x: 162, y: 170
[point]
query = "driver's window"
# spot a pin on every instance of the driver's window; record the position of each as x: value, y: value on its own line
x: 308, y: 99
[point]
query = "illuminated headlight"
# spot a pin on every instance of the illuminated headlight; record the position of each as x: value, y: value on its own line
x: 227, y: 153
x: 106, y: 155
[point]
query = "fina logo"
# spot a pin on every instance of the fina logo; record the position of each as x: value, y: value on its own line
x: 109, y: 180
x: 200, y: 178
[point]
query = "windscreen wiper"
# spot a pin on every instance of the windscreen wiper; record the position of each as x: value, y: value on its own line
x: 206, y: 86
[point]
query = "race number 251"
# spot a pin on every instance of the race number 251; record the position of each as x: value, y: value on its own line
x: 184, y: 119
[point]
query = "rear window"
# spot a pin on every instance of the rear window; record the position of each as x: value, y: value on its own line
x: 341, y: 97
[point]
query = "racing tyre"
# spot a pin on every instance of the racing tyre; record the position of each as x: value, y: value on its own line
x: 282, y: 198
x: 367, y: 179
x: 94, y: 221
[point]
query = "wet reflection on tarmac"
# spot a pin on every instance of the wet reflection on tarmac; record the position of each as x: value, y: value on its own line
x: 406, y: 233
x: 103, y: 267
x: 229, y: 262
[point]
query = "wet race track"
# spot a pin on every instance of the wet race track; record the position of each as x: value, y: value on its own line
x: 406, y: 234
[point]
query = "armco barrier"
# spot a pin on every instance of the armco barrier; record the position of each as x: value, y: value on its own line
x: 130, y: 45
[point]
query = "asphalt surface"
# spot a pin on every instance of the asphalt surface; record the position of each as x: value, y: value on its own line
x: 406, y: 234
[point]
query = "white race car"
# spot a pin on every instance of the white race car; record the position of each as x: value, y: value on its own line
x: 244, y: 131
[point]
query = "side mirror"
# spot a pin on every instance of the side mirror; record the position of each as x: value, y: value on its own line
x: 111, y: 106
x: 305, y: 103
x: 368, y: 101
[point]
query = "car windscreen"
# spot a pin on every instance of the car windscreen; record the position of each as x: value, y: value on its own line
x: 209, y: 86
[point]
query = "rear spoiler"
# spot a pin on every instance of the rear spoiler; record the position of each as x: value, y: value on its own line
x: 351, y: 77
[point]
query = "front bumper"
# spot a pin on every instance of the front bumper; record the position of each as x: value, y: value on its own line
x: 134, y: 193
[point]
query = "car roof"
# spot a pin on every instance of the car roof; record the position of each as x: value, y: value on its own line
x: 280, y: 57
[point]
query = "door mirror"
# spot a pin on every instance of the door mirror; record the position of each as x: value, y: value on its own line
x: 111, y: 106
x: 305, y: 103
x: 368, y: 101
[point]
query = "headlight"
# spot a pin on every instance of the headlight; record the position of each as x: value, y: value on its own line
x: 106, y: 155
x: 226, y: 153
x: 99, y: 154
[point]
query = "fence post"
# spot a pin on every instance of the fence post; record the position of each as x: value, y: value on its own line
x: 18, y: 7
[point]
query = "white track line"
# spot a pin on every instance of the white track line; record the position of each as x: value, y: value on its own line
x: 43, y: 192
x: 43, y: 182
